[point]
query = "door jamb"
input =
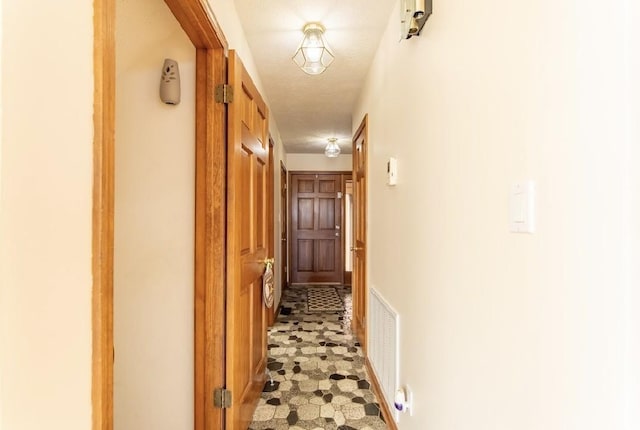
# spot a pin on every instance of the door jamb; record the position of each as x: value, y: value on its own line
x: 200, y: 25
x: 345, y: 177
x: 362, y: 129
x: 271, y: 231
x: 102, y: 215
x: 284, y: 234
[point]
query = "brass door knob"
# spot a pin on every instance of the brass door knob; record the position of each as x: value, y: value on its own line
x: 356, y: 248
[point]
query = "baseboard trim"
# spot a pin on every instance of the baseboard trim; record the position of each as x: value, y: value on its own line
x: 384, y: 408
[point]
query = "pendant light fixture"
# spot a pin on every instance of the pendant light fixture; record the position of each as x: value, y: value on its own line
x: 332, y: 150
x: 313, y: 55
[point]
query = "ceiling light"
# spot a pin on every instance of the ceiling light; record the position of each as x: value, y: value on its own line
x: 313, y: 55
x: 332, y: 150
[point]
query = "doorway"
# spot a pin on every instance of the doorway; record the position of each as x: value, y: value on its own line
x: 154, y: 222
x: 348, y: 230
x: 284, y: 225
x: 210, y: 209
x: 317, y: 252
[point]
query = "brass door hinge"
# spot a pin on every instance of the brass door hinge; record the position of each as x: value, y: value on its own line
x: 224, y: 93
x: 221, y: 398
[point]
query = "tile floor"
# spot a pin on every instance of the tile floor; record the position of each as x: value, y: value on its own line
x: 319, y: 378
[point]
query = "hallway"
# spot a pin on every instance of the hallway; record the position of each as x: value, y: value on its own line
x: 319, y: 378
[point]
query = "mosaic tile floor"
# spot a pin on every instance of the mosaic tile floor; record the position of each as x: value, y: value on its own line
x: 319, y: 378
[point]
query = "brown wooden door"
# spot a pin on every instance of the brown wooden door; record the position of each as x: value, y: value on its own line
x: 284, y: 224
x: 247, y: 185
x: 316, y: 242
x: 359, y: 282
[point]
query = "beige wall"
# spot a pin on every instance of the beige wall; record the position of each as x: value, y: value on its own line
x: 45, y: 218
x: 503, y: 330
x: 632, y: 194
x: 318, y: 162
x: 154, y: 219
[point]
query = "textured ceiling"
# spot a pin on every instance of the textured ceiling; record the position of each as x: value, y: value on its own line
x: 311, y: 109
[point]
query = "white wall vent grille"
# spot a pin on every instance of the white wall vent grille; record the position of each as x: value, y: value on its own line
x: 383, y: 345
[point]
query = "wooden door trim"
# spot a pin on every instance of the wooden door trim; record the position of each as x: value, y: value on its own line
x: 271, y: 231
x: 103, y: 214
x: 199, y: 23
x: 284, y: 265
x: 348, y: 176
x: 210, y: 233
x: 363, y: 130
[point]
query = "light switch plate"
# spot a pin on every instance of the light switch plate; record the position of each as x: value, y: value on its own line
x: 392, y: 171
x: 522, y: 207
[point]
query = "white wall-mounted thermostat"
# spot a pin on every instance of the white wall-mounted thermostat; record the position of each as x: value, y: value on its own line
x: 521, y: 207
x: 392, y: 171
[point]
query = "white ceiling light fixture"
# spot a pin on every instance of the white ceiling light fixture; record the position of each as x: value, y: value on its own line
x: 313, y: 55
x: 332, y: 150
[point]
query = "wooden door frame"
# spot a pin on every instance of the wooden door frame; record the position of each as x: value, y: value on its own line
x: 284, y: 234
x: 363, y: 129
x: 345, y: 177
x: 271, y: 231
x: 200, y: 25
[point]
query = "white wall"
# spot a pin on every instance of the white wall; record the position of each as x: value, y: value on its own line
x: 319, y: 163
x: 154, y: 223
x: 45, y: 218
x: 632, y: 370
x: 503, y: 330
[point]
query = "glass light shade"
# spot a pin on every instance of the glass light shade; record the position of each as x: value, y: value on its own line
x: 332, y: 150
x: 313, y: 55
